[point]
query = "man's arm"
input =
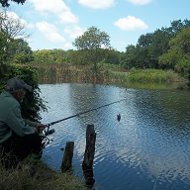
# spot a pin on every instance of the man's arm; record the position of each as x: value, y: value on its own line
x: 17, y: 123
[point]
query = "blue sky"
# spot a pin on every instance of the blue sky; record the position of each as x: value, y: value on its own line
x: 56, y: 23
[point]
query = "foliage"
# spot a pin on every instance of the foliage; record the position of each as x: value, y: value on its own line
x: 146, y: 53
x: 92, y: 46
x: 178, y: 56
x: 55, y: 56
x: 71, y: 57
x: 21, y: 52
x: 5, y: 3
x: 92, y: 39
x: 14, y: 50
x: 151, y: 46
x: 176, y: 26
x: 10, y: 29
x: 112, y: 57
x: 33, y: 103
x: 129, y: 57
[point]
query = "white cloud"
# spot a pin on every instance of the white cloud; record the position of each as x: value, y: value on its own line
x: 97, y: 4
x: 130, y: 23
x: 140, y: 2
x: 14, y: 16
x: 74, y: 31
x: 56, y: 7
x: 67, y: 46
x: 68, y: 17
x: 50, y: 32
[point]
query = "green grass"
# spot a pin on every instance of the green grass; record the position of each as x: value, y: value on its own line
x: 153, y: 75
x: 149, y: 79
x: 148, y: 75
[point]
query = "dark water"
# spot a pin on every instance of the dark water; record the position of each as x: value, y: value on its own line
x: 149, y: 149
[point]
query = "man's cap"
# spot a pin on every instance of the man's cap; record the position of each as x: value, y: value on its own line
x: 16, y: 84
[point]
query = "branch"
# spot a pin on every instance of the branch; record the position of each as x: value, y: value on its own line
x: 5, y: 3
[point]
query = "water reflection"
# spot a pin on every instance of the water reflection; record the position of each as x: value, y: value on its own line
x: 148, y: 148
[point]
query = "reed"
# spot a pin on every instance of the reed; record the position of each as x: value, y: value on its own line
x: 106, y: 74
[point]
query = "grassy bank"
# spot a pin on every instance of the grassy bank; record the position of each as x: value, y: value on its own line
x: 134, y: 78
x: 150, y: 79
x: 34, y: 175
x: 153, y: 75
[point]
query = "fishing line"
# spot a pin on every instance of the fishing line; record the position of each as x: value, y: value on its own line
x: 81, y: 113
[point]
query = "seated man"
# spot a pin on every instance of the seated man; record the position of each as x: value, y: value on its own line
x: 18, y: 137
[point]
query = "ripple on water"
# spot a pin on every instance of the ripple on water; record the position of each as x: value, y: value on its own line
x: 147, y: 150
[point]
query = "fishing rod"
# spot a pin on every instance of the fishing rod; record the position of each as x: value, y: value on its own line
x: 47, y: 131
x: 81, y: 113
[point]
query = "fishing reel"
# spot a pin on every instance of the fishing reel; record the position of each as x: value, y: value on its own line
x: 46, y: 132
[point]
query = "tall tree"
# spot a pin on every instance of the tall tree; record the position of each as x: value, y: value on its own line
x: 152, y: 45
x: 178, y: 56
x: 10, y: 28
x: 92, y: 45
x: 10, y: 47
x: 21, y: 52
x: 176, y: 26
x: 129, y: 58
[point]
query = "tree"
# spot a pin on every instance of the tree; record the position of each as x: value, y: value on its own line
x: 21, y: 52
x: 112, y: 57
x: 10, y: 28
x: 153, y: 45
x: 176, y: 26
x: 178, y: 56
x: 92, y: 45
x: 92, y: 39
x: 10, y: 47
x: 129, y: 58
x: 5, y: 3
x: 55, y: 56
x: 33, y: 104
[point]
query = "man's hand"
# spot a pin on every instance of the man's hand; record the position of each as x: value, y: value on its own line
x: 40, y: 127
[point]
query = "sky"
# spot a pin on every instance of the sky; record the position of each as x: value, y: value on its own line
x: 55, y: 24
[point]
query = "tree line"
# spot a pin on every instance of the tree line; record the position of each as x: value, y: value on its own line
x: 165, y: 48
x: 15, y: 50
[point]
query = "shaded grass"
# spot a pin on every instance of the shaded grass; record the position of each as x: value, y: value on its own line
x: 32, y: 174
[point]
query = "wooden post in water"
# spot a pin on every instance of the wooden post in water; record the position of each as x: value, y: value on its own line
x: 67, y: 157
x: 87, y: 164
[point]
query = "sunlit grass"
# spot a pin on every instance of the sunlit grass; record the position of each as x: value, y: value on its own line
x: 149, y: 79
x: 153, y: 75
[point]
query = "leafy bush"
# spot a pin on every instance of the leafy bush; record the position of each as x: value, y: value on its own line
x: 33, y: 103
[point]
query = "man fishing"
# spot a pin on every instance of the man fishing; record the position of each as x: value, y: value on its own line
x: 18, y: 137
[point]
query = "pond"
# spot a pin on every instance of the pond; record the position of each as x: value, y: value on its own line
x: 148, y: 149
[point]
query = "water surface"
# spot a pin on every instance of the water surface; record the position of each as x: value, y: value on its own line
x: 148, y: 149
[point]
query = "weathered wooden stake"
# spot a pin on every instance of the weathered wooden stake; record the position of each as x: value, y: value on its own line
x: 67, y: 157
x: 87, y: 164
